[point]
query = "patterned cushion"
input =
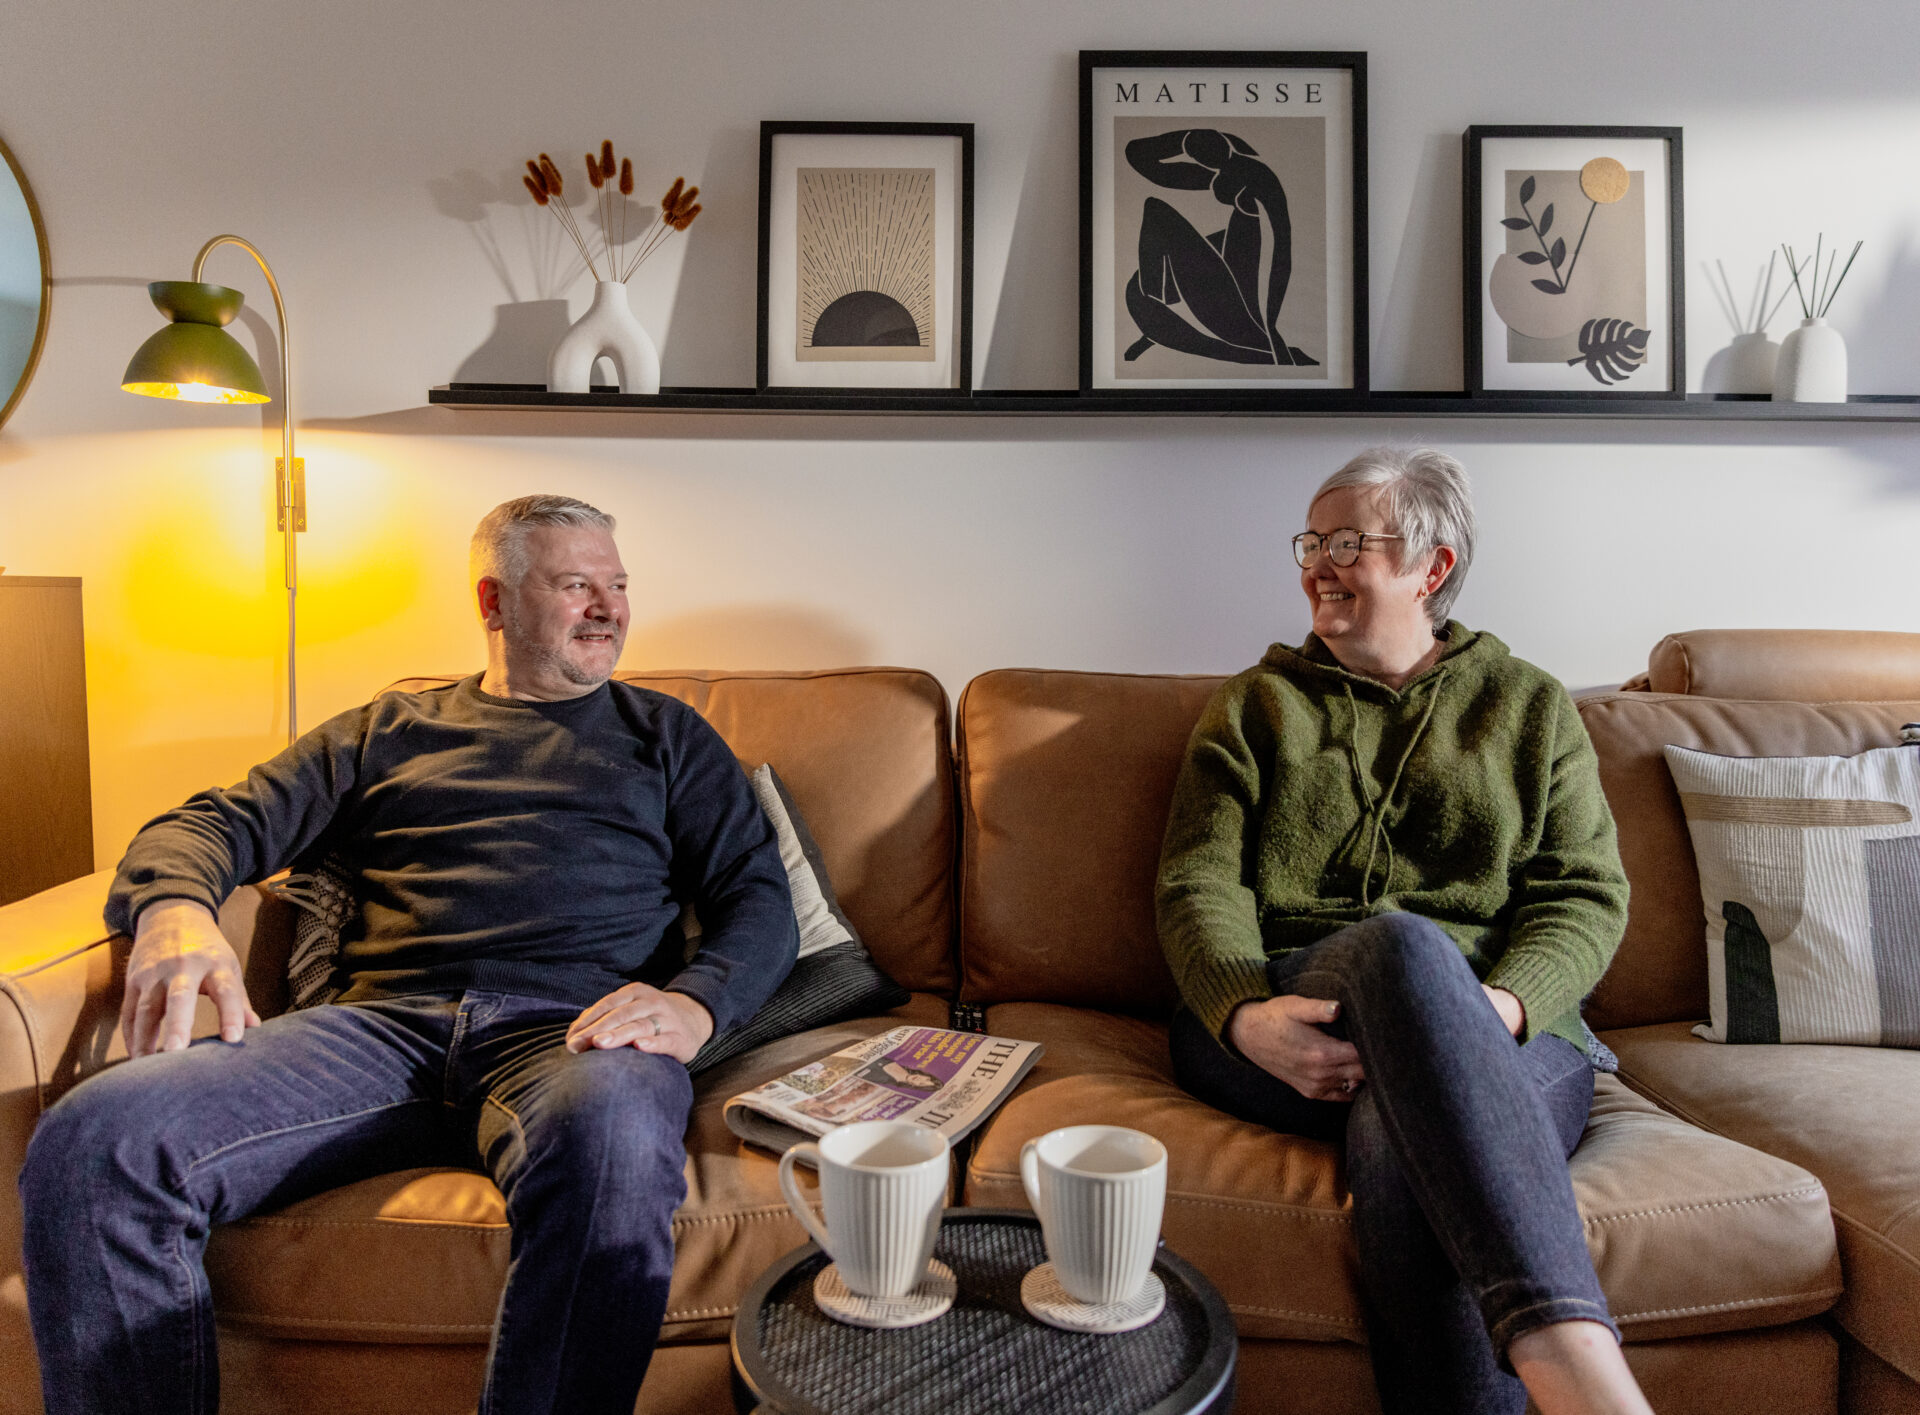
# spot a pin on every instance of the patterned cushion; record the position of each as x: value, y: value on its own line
x: 1810, y: 877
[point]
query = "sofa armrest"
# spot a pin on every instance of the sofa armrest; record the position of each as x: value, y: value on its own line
x: 60, y: 980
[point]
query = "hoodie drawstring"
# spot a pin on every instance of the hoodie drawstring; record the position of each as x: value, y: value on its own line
x: 1377, y: 806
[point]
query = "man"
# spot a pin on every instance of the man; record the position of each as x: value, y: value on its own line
x: 521, y: 843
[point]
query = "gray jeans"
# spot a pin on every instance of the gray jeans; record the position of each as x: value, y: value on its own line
x: 1456, y: 1150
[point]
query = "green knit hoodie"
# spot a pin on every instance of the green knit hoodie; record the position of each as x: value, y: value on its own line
x: 1312, y: 798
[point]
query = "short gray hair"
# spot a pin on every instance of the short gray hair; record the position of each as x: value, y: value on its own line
x: 1429, y: 503
x: 499, y: 547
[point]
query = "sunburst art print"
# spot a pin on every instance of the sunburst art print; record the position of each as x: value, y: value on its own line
x: 865, y: 264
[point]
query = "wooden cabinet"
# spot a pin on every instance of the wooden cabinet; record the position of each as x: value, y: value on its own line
x: 46, y: 793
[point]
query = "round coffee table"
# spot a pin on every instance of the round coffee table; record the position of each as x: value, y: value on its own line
x: 986, y: 1354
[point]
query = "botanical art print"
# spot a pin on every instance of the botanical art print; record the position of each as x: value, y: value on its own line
x: 1577, y: 293
x: 1534, y: 287
x: 866, y: 257
x: 1221, y: 222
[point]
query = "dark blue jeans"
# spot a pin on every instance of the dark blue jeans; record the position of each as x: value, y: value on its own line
x: 1456, y: 1150
x: 587, y: 1149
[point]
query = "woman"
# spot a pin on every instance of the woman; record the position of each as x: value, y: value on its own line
x: 1389, y: 877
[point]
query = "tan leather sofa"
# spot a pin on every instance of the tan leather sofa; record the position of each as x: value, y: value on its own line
x: 1850, y: 1115
x: 1719, y: 1258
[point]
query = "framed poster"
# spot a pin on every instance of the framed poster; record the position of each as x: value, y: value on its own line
x: 1223, y: 221
x: 866, y: 257
x: 1574, y: 276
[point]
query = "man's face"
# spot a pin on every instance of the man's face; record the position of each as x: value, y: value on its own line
x: 564, y: 625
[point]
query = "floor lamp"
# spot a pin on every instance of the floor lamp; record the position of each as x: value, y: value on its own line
x: 196, y: 360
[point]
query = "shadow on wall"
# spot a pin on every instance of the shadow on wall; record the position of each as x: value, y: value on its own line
x: 746, y: 636
x: 532, y: 259
x: 714, y: 319
x: 1880, y: 338
x: 1420, y: 321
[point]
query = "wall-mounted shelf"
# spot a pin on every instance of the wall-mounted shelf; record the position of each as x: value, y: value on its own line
x: 1871, y: 407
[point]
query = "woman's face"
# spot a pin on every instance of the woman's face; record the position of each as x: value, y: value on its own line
x: 1370, y: 603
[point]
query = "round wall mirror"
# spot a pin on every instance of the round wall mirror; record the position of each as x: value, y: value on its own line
x: 25, y: 283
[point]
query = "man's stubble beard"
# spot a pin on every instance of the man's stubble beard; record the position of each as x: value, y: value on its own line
x: 546, y: 657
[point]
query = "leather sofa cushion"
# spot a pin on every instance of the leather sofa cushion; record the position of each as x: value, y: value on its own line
x: 1851, y: 1115
x: 1690, y: 1232
x: 1065, y: 780
x: 1660, y: 972
x: 865, y: 753
x: 1810, y: 665
x: 420, y: 1256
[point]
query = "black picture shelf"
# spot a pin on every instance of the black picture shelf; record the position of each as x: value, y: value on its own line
x: 1725, y: 407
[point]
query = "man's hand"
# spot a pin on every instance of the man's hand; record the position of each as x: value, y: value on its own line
x: 1509, y: 1008
x: 179, y: 953
x: 645, y: 1019
x: 1283, y: 1036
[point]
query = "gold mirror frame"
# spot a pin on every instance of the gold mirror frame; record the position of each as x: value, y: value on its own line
x: 46, y: 285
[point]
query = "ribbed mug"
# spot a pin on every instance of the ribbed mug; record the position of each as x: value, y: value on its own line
x: 883, y: 1187
x: 1099, y: 1191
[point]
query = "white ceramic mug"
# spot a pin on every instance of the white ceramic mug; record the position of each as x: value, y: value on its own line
x: 883, y: 1185
x: 1098, y: 1190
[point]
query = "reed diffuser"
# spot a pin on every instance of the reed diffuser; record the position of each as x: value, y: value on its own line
x: 1813, y: 358
x: 608, y: 329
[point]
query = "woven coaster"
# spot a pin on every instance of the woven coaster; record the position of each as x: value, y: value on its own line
x: 933, y: 1296
x: 1047, y: 1301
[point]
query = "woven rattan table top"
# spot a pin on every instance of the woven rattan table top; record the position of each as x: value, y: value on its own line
x: 986, y: 1354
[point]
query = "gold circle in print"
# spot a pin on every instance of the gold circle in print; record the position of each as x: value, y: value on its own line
x: 1604, y: 180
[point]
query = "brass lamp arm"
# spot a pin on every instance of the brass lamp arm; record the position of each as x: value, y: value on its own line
x: 290, y: 482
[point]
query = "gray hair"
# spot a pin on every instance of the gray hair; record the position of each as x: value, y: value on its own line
x: 499, y: 547
x: 1429, y: 504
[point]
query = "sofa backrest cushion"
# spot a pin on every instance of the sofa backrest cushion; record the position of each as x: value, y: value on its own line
x: 1807, y: 665
x: 1660, y: 972
x: 865, y: 753
x: 1065, y: 781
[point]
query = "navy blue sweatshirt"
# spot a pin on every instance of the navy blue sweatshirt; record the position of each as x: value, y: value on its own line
x: 535, y: 848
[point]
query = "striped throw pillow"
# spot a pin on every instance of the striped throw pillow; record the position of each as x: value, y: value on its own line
x: 1810, y: 875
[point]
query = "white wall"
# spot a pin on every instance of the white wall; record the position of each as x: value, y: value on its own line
x: 370, y: 150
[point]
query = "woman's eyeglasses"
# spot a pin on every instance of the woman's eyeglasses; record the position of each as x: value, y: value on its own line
x: 1341, y: 547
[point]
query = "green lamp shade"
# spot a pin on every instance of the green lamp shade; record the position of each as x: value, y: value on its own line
x: 194, y: 358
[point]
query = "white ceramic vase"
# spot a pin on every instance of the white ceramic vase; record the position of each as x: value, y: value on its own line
x: 1751, y: 359
x: 1813, y: 365
x: 608, y: 327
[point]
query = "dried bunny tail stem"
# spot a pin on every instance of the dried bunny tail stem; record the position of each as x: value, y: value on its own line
x: 672, y: 197
x: 540, y: 198
x: 626, y: 176
x: 552, y: 174
x: 686, y: 219
x: 593, y: 172
x: 606, y: 157
x: 536, y: 177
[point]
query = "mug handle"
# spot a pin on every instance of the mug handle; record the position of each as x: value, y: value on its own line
x: 788, y: 1187
x: 1030, y: 1175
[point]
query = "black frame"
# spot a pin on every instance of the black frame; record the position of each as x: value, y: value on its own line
x: 1355, y: 62
x: 963, y: 314
x: 1473, y: 304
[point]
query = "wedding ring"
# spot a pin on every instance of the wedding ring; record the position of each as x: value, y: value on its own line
x: 656, y: 1023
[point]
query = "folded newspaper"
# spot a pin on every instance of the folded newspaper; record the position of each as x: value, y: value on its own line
x: 946, y: 1081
